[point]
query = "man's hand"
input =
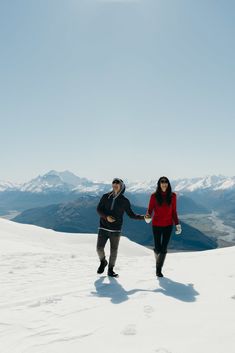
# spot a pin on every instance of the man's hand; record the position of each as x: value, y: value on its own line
x: 111, y: 219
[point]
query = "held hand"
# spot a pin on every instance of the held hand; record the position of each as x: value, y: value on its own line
x: 178, y: 229
x: 147, y: 218
x: 111, y: 219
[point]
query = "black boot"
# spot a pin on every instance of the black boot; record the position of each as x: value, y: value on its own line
x: 111, y: 272
x: 103, y: 264
x: 160, y: 261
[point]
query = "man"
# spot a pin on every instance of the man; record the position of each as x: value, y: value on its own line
x: 111, y: 209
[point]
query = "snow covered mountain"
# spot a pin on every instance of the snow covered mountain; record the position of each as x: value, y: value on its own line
x: 55, y: 181
x: 212, y: 183
x: 52, y: 300
x: 66, y: 181
x: 7, y: 185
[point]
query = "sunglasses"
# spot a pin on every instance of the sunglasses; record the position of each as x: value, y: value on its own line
x: 164, y: 181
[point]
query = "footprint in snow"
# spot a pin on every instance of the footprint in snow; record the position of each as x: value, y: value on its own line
x: 46, y: 301
x: 129, y: 330
x: 148, y: 310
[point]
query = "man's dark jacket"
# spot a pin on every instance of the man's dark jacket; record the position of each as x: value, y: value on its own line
x: 121, y: 205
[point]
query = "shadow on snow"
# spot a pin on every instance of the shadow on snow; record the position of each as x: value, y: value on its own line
x: 115, y: 291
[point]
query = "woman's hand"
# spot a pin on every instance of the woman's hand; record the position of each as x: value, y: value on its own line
x: 178, y: 229
x: 147, y: 218
x: 111, y: 219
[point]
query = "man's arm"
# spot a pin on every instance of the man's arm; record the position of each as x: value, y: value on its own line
x: 130, y: 213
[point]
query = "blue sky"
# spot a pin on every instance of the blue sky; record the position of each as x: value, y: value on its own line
x: 135, y: 89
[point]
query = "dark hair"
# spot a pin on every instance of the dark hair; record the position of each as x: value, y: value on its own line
x: 158, y: 192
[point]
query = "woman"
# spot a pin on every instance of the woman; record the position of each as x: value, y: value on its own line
x: 163, y: 204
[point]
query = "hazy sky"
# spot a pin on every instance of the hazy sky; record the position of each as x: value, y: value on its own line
x: 135, y: 89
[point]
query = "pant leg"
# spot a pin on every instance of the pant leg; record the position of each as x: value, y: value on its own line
x: 101, y: 242
x: 114, y: 242
x: 166, y: 235
x: 157, y: 236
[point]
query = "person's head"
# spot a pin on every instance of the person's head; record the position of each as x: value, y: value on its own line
x: 163, y: 186
x: 118, y: 185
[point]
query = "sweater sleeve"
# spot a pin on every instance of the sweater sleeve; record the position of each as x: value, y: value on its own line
x: 100, y: 208
x: 151, y: 205
x: 174, y: 210
x: 130, y: 213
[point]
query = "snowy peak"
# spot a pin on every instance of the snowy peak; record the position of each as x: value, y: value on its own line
x: 67, y: 177
x: 65, y: 181
x: 142, y: 187
x: 54, y: 181
x: 44, y: 183
x: 213, y: 182
x: 209, y: 182
x: 7, y: 185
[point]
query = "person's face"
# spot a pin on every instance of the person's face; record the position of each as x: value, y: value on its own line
x: 164, y: 184
x: 116, y: 186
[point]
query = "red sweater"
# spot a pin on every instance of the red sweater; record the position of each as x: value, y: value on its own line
x: 164, y: 215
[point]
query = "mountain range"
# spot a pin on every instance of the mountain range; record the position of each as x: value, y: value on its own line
x: 195, y: 196
x: 208, y: 193
x: 65, y: 181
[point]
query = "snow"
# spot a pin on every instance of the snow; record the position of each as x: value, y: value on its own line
x: 210, y: 182
x: 52, y: 300
x: 226, y: 184
x: 7, y: 185
x: 94, y: 189
x: 141, y: 187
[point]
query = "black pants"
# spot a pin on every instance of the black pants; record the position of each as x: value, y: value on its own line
x: 161, y: 238
x: 114, y: 238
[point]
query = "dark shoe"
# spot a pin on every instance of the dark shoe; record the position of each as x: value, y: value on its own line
x: 160, y: 261
x: 159, y: 272
x: 103, y: 264
x: 111, y: 273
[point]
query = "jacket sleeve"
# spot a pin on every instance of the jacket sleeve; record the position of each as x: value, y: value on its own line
x: 174, y: 210
x: 100, y: 208
x: 130, y: 213
x: 151, y: 205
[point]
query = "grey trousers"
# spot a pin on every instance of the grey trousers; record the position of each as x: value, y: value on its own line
x: 114, y: 238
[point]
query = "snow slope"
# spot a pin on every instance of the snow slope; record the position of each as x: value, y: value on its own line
x: 52, y: 300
